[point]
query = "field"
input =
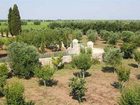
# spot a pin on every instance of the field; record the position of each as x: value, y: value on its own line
x: 99, y: 84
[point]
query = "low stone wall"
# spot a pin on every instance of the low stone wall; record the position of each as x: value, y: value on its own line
x: 48, y: 61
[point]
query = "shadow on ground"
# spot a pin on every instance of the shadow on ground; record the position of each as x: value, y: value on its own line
x: 108, y: 69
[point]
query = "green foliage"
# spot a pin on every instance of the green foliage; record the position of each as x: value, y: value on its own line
x: 113, y: 39
x: 14, y: 21
x: 9, y: 20
x: 137, y: 57
x: 37, y: 23
x: 128, y: 49
x: 130, y: 95
x: 45, y: 74
x: 77, y: 88
x: 112, y: 56
x: 57, y: 62
x: 23, y: 58
x: 92, y: 35
x: 14, y: 94
x: 123, y: 73
x: 82, y: 62
x: 3, y: 77
x: 127, y: 36
x: 77, y: 34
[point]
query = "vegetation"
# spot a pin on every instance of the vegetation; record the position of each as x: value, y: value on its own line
x: 23, y: 58
x: 14, y: 94
x: 45, y: 74
x: 14, y: 22
x: 77, y: 88
x: 123, y: 74
x: 112, y: 56
x: 92, y: 35
x: 137, y: 57
x: 82, y: 62
x: 128, y: 49
x: 3, y: 77
x: 130, y: 95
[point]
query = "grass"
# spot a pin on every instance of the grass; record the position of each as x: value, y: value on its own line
x: 30, y: 25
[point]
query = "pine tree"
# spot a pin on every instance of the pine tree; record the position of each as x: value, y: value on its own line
x: 9, y: 19
x: 15, y: 21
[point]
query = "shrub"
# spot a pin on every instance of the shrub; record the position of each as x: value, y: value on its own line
x: 23, y: 58
x: 92, y: 35
x: 82, y: 62
x: 130, y: 95
x: 112, y: 56
x: 57, y: 62
x: 123, y: 74
x: 137, y: 57
x: 3, y: 77
x: 37, y: 23
x: 14, y: 94
x: 113, y: 39
x: 126, y: 36
x: 77, y: 34
x: 77, y: 88
x: 128, y: 49
x: 45, y: 74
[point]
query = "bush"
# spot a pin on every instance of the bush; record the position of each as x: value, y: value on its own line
x: 23, y: 58
x: 123, y: 74
x: 37, y: 23
x: 14, y: 94
x: 57, y: 62
x: 137, y: 57
x: 82, y: 62
x: 130, y: 95
x: 92, y: 35
x: 45, y: 74
x: 126, y: 36
x: 77, y: 88
x: 113, y: 39
x: 127, y: 49
x: 3, y: 77
x: 112, y: 56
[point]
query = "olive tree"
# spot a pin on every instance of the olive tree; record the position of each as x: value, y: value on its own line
x: 112, y: 56
x: 123, y: 74
x: 14, y: 94
x: 92, y: 35
x: 77, y: 88
x: 137, y: 57
x: 23, y: 59
x: 3, y: 77
x: 45, y: 74
x: 82, y: 62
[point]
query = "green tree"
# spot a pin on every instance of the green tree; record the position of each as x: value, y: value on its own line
x: 112, y: 56
x: 3, y: 77
x: 45, y: 74
x: 113, y: 39
x: 128, y: 50
x: 82, y: 62
x: 14, y: 94
x: 23, y: 58
x: 77, y: 88
x: 137, y: 57
x: 15, y: 21
x: 92, y: 35
x: 123, y: 74
x: 9, y: 20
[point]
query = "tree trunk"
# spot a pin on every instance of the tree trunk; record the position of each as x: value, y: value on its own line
x: 83, y: 73
x: 44, y: 82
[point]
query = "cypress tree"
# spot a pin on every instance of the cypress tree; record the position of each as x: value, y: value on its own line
x: 15, y: 21
x: 9, y: 19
